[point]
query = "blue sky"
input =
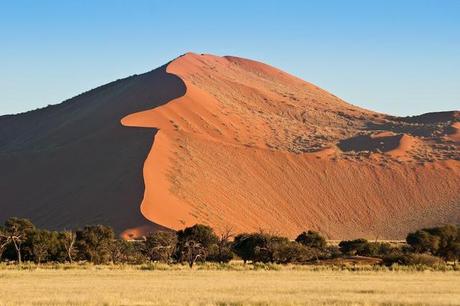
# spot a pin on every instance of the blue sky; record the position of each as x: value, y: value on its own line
x: 400, y: 57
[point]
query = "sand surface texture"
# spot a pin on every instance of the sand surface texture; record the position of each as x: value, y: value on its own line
x: 251, y: 147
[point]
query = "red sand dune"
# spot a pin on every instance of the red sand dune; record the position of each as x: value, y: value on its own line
x: 241, y: 148
x: 240, y: 144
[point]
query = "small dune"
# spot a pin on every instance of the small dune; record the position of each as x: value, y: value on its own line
x: 453, y: 132
x: 405, y: 143
x: 395, y: 145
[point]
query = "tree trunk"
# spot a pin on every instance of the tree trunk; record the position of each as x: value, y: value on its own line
x: 69, y: 254
x: 18, y: 251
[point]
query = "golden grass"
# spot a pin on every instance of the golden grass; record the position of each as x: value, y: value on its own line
x: 125, y: 285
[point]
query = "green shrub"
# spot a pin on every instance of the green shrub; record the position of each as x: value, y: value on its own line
x: 220, y: 253
x: 244, y: 245
x: 95, y: 243
x: 294, y: 252
x: 312, y: 239
x: 362, y: 247
x: 194, y: 243
x: 129, y: 252
x: 443, y: 241
x: 412, y: 259
x: 353, y: 247
x: 160, y: 246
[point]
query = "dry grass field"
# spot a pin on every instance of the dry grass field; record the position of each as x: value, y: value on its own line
x: 181, y: 286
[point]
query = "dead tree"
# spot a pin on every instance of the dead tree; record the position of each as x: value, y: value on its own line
x: 68, y: 241
x: 224, y: 241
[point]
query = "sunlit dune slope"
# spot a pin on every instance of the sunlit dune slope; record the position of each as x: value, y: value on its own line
x: 250, y: 147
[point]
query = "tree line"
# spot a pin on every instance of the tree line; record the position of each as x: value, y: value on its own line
x: 21, y: 241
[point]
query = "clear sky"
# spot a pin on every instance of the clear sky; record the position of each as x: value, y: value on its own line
x: 400, y: 57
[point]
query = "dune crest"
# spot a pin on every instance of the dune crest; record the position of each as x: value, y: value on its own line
x: 252, y: 147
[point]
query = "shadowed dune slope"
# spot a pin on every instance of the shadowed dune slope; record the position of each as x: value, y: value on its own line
x: 236, y: 143
x: 251, y: 147
x: 74, y: 164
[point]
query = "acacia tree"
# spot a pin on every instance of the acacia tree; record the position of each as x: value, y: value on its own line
x: 194, y: 243
x: 244, y: 245
x: 18, y: 230
x: 193, y: 251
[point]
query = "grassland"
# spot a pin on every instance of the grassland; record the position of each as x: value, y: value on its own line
x: 237, y: 285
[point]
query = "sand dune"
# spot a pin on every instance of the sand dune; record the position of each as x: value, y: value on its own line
x: 252, y: 147
x: 228, y: 141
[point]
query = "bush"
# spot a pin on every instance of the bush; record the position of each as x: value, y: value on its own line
x: 421, y: 241
x: 294, y: 252
x: 194, y: 243
x: 362, y: 247
x: 312, y: 239
x: 130, y: 252
x: 257, y: 247
x: 244, y: 245
x: 330, y: 252
x: 45, y: 246
x: 353, y: 247
x: 95, y: 243
x: 412, y: 259
x: 443, y: 241
x: 261, y: 247
x: 221, y: 254
x: 160, y: 246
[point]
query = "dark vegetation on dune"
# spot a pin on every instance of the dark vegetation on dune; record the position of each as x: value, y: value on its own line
x: 21, y: 241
